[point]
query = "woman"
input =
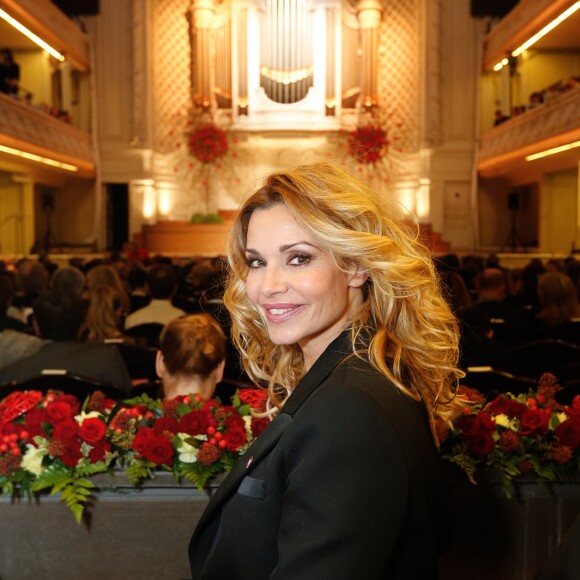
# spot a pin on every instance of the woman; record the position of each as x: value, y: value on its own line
x: 559, y: 315
x: 104, y: 318
x: 105, y: 274
x: 340, y: 314
x: 191, y: 356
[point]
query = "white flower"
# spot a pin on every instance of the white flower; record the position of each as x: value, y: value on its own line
x: 80, y: 418
x: 504, y: 421
x: 187, y: 452
x: 32, y: 459
x: 248, y: 421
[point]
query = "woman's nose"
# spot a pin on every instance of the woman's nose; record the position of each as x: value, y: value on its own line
x: 274, y: 281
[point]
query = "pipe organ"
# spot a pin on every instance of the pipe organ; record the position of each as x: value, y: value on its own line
x: 284, y: 64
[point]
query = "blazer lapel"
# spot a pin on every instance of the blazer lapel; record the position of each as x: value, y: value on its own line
x: 337, y: 351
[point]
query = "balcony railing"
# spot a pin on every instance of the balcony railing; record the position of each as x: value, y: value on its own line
x: 559, y: 117
x: 26, y: 128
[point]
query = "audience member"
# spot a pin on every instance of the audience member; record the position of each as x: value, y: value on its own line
x: 104, y: 318
x: 68, y: 280
x: 559, y: 312
x: 57, y: 319
x: 477, y: 345
x: 9, y: 73
x: 107, y: 275
x: 137, y: 281
x: 191, y: 356
x: 161, y: 285
x: 6, y: 296
x: 15, y: 345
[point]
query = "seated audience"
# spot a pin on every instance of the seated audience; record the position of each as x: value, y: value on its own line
x: 161, y: 285
x: 31, y: 280
x: 478, y: 348
x: 492, y: 293
x: 57, y: 319
x: 6, y: 296
x: 191, y: 356
x: 559, y: 314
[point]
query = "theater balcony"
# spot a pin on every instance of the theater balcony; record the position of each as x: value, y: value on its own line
x: 29, y: 134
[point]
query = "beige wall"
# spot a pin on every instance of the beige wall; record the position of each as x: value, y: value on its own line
x: 35, y: 74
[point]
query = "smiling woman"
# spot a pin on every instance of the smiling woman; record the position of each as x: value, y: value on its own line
x: 338, y: 312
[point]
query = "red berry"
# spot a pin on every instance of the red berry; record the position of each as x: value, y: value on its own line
x: 222, y: 443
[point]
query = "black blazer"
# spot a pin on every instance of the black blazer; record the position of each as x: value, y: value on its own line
x: 345, y: 483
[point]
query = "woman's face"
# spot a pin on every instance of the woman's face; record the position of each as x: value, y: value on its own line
x: 301, y: 295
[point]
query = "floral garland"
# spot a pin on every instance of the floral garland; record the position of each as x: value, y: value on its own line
x: 208, y: 143
x: 516, y: 435
x: 50, y: 442
x: 368, y: 143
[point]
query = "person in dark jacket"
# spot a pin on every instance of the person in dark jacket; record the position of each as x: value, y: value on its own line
x: 338, y: 311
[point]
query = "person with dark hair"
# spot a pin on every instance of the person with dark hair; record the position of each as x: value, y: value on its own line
x: 6, y: 296
x: 137, y: 281
x: 57, y: 319
x: 9, y: 72
x: 478, y: 347
x: 161, y: 285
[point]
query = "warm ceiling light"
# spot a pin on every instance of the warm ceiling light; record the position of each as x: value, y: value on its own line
x: 553, y: 151
x: 21, y: 28
x: 546, y: 29
x: 38, y: 158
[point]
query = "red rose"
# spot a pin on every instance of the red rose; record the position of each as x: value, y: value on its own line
x: 471, y: 426
x: 481, y: 445
x: 71, y: 401
x: 235, y: 420
x: 166, y: 424
x: 72, y: 454
x: 142, y: 438
x: 568, y: 432
x: 574, y: 409
x: 258, y: 425
x: 34, y: 420
x: 66, y: 430
x: 159, y: 451
x: 93, y: 430
x: 534, y: 421
x: 58, y: 412
x: 526, y: 466
x: 509, y: 407
x: 235, y: 438
x: 99, y: 451
x: 194, y: 423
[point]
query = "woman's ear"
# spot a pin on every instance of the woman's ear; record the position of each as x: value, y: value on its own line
x: 219, y: 371
x: 357, y: 278
x: 160, y: 368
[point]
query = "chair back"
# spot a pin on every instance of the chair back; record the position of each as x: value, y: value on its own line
x: 139, y: 360
x: 488, y: 380
x: 548, y: 355
x: 145, y: 335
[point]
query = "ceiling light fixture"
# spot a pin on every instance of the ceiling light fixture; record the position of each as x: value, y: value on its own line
x: 38, y: 158
x: 553, y: 151
x: 36, y: 39
x: 533, y: 39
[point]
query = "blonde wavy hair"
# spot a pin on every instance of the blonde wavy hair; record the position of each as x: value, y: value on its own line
x: 404, y: 326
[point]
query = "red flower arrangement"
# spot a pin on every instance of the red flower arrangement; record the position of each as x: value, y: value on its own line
x: 208, y: 143
x: 368, y: 143
x: 517, y: 435
x: 49, y: 442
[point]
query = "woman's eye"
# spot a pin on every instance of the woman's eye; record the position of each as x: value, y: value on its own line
x: 254, y: 262
x: 300, y: 259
